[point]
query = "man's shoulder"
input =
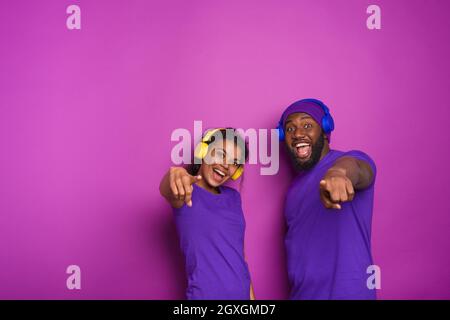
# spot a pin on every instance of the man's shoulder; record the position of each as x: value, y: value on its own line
x: 358, y: 154
x: 351, y: 153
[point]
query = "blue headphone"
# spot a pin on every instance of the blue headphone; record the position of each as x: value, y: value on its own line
x: 327, y: 120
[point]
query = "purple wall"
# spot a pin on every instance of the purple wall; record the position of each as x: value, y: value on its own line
x: 86, y: 117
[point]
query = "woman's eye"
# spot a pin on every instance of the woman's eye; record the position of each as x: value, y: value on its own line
x: 219, y: 153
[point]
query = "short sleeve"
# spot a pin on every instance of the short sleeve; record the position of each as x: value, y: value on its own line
x: 236, y: 195
x: 233, y: 195
x: 364, y: 157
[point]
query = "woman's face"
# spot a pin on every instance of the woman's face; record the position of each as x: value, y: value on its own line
x: 220, y: 163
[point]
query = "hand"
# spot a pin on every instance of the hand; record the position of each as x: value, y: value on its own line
x: 181, y: 184
x: 335, y: 188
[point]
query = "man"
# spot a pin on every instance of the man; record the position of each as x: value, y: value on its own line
x: 328, y: 209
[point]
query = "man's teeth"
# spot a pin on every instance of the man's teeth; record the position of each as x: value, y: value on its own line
x: 302, y: 144
x: 219, y: 172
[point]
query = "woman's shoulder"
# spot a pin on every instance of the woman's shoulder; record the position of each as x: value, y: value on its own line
x: 231, y: 192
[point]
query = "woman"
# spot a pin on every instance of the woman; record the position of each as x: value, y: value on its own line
x: 209, y: 217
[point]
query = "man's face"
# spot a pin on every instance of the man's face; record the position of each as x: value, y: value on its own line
x: 304, y: 139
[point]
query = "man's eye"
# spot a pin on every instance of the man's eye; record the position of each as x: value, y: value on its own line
x: 307, y: 126
x: 290, y: 129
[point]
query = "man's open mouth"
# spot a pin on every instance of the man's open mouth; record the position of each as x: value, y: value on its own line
x: 303, y: 150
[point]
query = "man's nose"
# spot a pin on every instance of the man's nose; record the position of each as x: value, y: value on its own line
x: 299, y: 132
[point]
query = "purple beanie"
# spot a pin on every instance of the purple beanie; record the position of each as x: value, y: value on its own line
x: 311, y: 108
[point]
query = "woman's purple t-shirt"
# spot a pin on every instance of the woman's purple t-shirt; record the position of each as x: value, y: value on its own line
x: 211, y: 234
x: 328, y: 250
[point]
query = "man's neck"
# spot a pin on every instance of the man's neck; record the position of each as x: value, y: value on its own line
x: 325, y: 150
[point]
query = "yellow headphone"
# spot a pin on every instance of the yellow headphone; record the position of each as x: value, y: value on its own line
x: 201, y: 150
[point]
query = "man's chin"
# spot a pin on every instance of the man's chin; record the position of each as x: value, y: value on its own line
x: 303, y: 164
x: 300, y: 161
x: 303, y: 160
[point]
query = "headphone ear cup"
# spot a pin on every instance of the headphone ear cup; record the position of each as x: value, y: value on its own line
x: 331, y: 122
x: 201, y: 150
x: 280, y: 132
x: 237, y: 173
x: 327, y: 120
x: 327, y: 123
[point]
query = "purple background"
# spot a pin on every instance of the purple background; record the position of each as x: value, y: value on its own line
x: 86, y: 117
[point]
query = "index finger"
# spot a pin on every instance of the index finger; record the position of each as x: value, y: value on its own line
x: 194, y: 179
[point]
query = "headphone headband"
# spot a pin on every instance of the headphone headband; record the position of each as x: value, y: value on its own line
x: 207, y: 137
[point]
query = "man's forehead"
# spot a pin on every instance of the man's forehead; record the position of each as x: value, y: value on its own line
x: 298, y: 116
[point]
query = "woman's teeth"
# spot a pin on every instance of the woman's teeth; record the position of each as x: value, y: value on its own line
x: 222, y: 174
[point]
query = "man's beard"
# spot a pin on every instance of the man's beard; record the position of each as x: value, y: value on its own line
x: 313, y: 159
